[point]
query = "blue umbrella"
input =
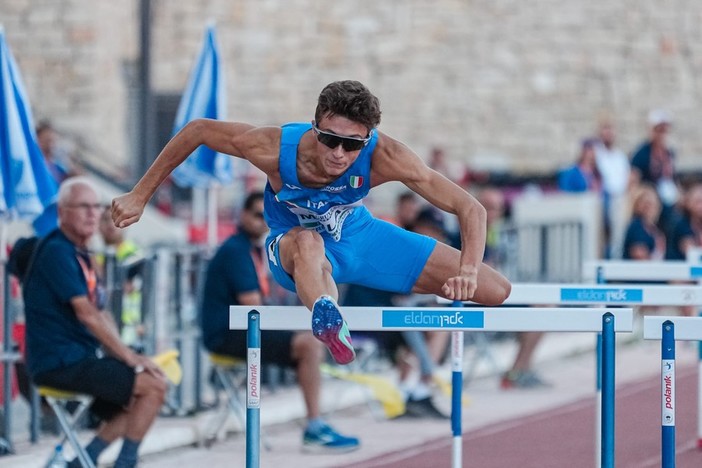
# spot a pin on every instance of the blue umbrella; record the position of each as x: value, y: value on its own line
x: 204, y: 97
x: 27, y: 185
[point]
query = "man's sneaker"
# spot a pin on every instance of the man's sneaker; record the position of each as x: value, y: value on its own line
x: 522, y: 379
x: 329, y: 327
x: 327, y: 440
x: 423, y: 408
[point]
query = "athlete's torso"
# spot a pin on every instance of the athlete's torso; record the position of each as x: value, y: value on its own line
x: 327, y: 209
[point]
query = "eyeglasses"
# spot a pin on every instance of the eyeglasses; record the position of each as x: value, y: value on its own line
x: 87, y: 206
x: 332, y: 140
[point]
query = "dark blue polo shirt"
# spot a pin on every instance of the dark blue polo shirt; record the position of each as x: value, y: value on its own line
x: 682, y: 230
x: 55, y: 337
x: 636, y: 234
x: 230, y: 272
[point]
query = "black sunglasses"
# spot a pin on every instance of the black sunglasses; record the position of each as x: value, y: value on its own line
x: 332, y: 140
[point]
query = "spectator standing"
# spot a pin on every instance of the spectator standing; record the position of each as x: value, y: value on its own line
x: 248, y: 284
x: 614, y: 168
x: 72, y: 344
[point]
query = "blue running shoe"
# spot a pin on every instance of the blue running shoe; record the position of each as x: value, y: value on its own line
x: 324, y: 439
x: 329, y: 327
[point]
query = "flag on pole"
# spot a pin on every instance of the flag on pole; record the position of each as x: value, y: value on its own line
x: 204, y: 97
x: 26, y: 184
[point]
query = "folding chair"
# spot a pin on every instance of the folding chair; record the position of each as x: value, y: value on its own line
x: 58, y: 401
x: 482, y: 353
x: 230, y: 376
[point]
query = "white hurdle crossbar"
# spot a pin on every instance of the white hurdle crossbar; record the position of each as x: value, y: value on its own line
x: 606, y: 294
x: 455, y: 319
x: 641, y: 270
x: 668, y: 330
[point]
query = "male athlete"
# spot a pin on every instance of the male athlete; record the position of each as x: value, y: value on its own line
x: 320, y: 232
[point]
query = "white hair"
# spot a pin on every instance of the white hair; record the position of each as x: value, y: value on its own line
x: 66, y: 188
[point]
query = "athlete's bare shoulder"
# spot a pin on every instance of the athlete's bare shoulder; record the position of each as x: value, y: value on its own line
x: 394, y: 161
x: 260, y: 146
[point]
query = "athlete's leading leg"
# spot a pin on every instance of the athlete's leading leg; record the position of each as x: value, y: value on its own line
x: 303, y: 257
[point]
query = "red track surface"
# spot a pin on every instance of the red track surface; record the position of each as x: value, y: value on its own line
x: 564, y: 436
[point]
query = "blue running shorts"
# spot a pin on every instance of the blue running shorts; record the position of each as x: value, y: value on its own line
x: 371, y: 252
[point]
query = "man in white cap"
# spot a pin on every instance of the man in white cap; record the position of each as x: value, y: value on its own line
x: 653, y: 163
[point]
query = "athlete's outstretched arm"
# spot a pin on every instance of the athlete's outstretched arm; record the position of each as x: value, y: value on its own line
x: 236, y: 139
x: 395, y: 161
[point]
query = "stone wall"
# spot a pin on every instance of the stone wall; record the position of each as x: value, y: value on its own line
x: 500, y: 84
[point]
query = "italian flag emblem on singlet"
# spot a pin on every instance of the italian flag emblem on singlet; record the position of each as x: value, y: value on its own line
x: 356, y: 181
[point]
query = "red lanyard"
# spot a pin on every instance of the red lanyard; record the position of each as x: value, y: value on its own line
x: 90, y: 277
x: 261, y: 271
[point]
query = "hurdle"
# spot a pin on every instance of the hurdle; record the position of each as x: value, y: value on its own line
x: 608, y: 321
x: 600, y: 294
x: 670, y: 329
x: 634, y: 270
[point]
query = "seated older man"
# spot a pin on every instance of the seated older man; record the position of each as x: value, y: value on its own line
x: 72, y: 344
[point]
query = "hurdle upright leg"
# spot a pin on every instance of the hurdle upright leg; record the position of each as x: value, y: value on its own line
x: 457, y: 351
x: 607, y: 401
x: 598, y: 386
x: 668, y: 394
x: 699, y: 391
x: 253, y: 391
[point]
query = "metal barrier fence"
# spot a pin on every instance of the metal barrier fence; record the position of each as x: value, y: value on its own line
x: 543, y: 252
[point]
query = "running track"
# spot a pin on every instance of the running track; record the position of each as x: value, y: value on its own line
x: 564, y: 436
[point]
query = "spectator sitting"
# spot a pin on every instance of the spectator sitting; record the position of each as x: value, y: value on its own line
x: 67, y: 331
x: 406, y: 209
x: 429, y: 347
x: 643, y: 239
x: 688, y: 230
x: 520, y: 374
x: 248, y: 284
